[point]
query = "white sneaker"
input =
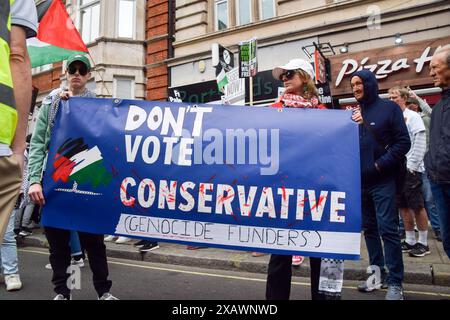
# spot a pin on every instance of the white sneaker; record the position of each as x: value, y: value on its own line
x: 61, y: 297
x: 107, y: 296
x: 79, y: 263
x: 109, y: 238
x: 48, y: 266
x: 12, y: 282
x: 122, y: 240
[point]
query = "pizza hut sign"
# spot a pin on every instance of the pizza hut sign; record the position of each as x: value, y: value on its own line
x: 382, y: 68
x: 400, y: 65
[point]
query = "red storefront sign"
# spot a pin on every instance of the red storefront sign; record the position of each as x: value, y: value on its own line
x: 404, y: 65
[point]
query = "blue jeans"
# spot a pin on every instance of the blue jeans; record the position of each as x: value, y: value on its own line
x: 75, y: 246
x: 401, y: 225
x: 380, y: 218
x: 441, y: 194
x: 430, y: 204
x: 8, y: 249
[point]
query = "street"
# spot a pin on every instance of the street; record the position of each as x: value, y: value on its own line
x: 135, y: 280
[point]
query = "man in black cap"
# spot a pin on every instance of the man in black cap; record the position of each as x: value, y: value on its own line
x: 78, y: 74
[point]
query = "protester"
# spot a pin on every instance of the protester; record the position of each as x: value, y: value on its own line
x: 23, y: 200
x: 18, y: 23
x: 14, y: 103
x: 416, y: 104
x: 8, y: 248
x: 437, y: 159
x: 410, y: 197
x: 384, y: 141
x: 78, y: 74
x: 9, y: 262
x: 300, y: 92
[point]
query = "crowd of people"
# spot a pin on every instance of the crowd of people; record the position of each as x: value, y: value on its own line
x: 405, y: 170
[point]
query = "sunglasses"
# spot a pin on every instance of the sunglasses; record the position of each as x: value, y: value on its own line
x: 82, y: 70
x: 288, y: 74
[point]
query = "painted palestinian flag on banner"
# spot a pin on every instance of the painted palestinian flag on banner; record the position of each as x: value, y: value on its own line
x: 76, y: 162
x: 57, y: 37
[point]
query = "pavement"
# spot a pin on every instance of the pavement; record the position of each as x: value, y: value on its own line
x: 433, y: 269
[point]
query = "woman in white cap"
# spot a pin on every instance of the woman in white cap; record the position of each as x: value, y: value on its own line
x: 300, y: 89
x: 300, y: 92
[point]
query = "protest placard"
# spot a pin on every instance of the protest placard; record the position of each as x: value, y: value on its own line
x: 265, y: 179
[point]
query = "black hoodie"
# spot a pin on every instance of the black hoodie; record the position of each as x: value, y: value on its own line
x: 388, y: 140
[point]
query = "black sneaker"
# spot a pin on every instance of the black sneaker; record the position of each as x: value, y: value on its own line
x: 406, y: 247
x: 149, y: 246
x: 419, y: 250
x: 140, y: 243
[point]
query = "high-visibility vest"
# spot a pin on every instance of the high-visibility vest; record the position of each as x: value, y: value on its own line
x: 8, y: 113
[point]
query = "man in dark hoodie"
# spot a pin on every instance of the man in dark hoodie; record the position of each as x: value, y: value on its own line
x: 384, y: 142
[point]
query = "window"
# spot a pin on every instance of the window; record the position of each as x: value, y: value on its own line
x: 123, y: 88
x: 244, y: 12
x: 85, y: 2
x: 90, y: 20
x: 126, y: 18
x: 266, y: 9
x: 69, y: 7
x: 221, y: 10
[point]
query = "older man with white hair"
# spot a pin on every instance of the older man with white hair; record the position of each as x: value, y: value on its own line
x: 437, y: 160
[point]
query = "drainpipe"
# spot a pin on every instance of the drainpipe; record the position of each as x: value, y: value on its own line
x: 171, y: 35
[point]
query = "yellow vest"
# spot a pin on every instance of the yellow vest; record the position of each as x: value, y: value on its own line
x: 8, y: 113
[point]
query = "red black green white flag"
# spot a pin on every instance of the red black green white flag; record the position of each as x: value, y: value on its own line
x: 57, y: 37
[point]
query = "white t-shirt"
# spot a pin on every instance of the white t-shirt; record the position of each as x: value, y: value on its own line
x: 414, y: 123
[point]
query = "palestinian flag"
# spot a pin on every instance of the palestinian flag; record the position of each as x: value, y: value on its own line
x: 222, y: 80
x: 57, y: 37
x: 75, y: 161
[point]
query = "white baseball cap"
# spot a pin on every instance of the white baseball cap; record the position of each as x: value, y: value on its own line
x: 294, y: 64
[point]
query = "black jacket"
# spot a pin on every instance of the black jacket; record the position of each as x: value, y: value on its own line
x: 387, y: 142
x: 437, y: 159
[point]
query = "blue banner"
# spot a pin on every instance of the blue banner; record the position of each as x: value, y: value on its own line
x: 264, y: 179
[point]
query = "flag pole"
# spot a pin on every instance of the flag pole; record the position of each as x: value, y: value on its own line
x: 101, y: 77
x: 251, y: 90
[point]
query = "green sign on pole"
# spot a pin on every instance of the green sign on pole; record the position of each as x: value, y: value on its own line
x: 248, y: 65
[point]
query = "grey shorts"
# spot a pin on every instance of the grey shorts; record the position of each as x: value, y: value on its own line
x: 24, y: 14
